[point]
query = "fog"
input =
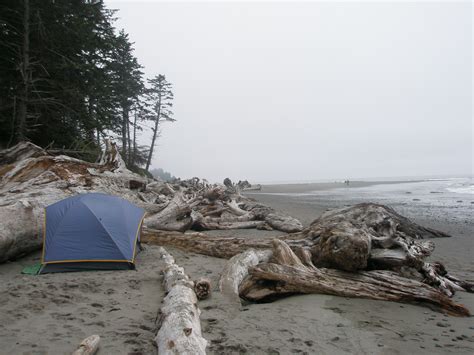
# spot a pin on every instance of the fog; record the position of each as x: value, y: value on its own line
x: 307, y: 91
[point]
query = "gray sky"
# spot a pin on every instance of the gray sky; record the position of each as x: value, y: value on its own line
x: 278, y: 91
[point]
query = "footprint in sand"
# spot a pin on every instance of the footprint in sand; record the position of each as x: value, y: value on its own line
x: 109, y: 291
x: 134, y: 284
x: 99, y: 323
x: 63, y: 316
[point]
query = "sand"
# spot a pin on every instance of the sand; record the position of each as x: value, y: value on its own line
x: 51, y: 314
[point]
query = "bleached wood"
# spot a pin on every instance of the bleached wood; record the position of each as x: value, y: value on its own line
x: 30, y: 180
x: 179, y: 324
x: 88, y: 346
x: 174, y: 217
x: 287, y: 274
x: 237, y: 268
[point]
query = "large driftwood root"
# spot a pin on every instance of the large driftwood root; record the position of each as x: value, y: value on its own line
x: 342, y: 245
x: 179, y: 325
x: 286, y: 274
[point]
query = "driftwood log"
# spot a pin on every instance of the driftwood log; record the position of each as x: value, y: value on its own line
x: 179, y: 325
x: 237, y: 270
x: 88, y: 346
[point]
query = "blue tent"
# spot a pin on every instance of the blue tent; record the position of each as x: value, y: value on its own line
x: 91, y: 231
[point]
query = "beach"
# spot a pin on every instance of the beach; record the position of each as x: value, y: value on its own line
x: 51, y: 314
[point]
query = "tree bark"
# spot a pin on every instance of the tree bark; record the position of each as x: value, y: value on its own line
x: 25, y: 71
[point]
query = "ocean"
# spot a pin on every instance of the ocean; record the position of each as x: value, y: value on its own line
x: 445, y: 200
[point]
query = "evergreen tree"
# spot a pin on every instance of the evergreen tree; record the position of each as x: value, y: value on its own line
x: 67, y: 79
x: 129, y: 86
x: 55, y: 71
x: 160, y: 96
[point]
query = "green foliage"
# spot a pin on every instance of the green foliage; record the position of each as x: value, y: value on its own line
x: 73, y: 75
x: 69, y: 51
x: 160, y: 97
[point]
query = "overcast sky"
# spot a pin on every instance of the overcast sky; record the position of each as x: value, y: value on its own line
x: 281, y: 91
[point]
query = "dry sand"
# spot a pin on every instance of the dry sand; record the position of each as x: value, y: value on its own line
x: 51, y: 314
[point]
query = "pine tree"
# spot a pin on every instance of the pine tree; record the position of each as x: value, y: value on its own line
x: 128, y: 84
x: 160, y: 96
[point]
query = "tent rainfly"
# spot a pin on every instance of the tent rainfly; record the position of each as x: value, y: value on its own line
x: 91, y: 232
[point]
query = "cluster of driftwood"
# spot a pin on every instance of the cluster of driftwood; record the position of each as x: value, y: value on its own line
x: 31, y: 179
x: 367, y: 250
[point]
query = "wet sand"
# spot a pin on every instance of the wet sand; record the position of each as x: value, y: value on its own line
x: 51, y: 314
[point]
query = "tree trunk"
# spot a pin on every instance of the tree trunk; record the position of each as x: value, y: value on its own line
x: 25, y: 73
x: 129, y: 143
x: 155, y: 132
x: 220, y: 247
x: 92, y: 116
x: 98, y: 137
x: 134, y: 153
x: 124, y: 130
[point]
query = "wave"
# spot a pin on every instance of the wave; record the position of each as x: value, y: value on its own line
x: 462, y: 189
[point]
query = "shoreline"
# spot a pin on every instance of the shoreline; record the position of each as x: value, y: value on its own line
x: 323, y: 186
x: 52, y: 313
